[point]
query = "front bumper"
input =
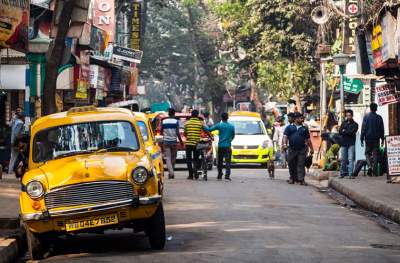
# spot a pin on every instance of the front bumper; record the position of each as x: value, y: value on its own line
x: 45, y: 215
x: 252, y: 156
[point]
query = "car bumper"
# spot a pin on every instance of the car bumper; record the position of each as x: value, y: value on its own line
x: 252, y: 156
x: 47, y: 215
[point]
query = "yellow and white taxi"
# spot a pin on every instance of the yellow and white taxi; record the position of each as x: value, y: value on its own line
x: 252, y: 143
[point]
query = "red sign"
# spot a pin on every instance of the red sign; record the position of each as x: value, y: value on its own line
x: 104, y: 16
x: 353, y: 9
x: 388, y: 94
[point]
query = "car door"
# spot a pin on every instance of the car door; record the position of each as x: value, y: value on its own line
x: 154, y: 150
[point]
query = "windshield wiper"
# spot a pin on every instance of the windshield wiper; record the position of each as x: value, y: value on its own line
x: 70, y: 154
x: 116, y: 149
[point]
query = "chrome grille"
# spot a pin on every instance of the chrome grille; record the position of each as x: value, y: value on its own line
x: 87, y: 194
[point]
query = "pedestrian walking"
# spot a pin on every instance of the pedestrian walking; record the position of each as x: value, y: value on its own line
x: 292, y: 170
x: 226, y: 135
x: 348, y: 131
x: 278, y: 140
x: 171, y: 135
x: 297, y: 138
x: 192, y: 130
x: 373, y: 135
x: 16, y: 132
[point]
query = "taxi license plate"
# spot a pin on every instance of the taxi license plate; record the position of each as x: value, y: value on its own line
x: 89, y: 222
x: 246, y: 152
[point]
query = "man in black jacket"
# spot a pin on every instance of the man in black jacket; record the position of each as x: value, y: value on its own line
x: 348, y: 131
x: 372, y: 133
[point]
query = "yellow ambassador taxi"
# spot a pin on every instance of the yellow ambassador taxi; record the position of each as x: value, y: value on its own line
x: 252, y: 143
x: 89, y: 170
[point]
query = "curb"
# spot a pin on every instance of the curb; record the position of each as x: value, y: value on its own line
x: 12, y: 247
x: 319, y: 175
x: 365, y: 202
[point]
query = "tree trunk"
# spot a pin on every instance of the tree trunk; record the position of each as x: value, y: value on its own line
x: 55, y: 58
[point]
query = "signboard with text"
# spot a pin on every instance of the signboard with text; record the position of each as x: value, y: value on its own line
x: 136, y: 22
x: 393, y: 155
x: 127, y: 54
x: 387, y: 94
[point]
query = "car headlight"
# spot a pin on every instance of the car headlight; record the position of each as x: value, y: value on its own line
x: 35, y: 189
x: 266, y: 144
x: 140, y: 175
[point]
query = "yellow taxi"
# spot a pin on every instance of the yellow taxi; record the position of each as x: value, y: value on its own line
x: 144, y: 123
x: 90, y: 170
x: 252, y: 143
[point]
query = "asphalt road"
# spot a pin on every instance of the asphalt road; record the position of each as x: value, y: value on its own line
x: 251, y: 219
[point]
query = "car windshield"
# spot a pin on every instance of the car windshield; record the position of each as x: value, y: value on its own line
x: 81, y: 138
x: 244, y: 127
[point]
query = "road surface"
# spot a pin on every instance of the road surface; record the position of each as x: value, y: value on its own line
x: 251, y: 219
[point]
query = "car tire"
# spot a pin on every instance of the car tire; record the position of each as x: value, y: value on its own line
x: 155, y: 229
x: 35, y: 245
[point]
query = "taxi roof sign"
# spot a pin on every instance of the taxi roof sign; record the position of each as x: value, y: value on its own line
x: 82, y: 109
x: 245, y: 114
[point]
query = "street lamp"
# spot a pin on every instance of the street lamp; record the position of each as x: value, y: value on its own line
x: 341, y: 60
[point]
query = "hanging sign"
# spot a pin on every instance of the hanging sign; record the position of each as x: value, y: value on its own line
x: 14, y: 24
x: 387, y: 94
x: 127, y: 54
x: 352, y: 11
x: 104, y: 17
x: 136, y: 22
x: 393, y: 155
x: 352, y: 85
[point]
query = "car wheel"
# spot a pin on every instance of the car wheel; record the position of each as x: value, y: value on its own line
x: 155, y: 229
x: 35, y: 245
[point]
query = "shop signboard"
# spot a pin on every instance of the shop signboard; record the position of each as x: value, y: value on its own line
x: 98, y: 40
x: 387, y: 94
x: 352, y: 85
x: 388, y: 25
x: 82, y: 89
x: 376, y: 44
x: 127, y: 54
x: 14, y: 24
x: 104, y: 17
x: 352, y: 10
x: 393, y: 155
x: 136, y: 22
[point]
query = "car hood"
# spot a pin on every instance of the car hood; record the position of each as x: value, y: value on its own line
x: 251, y: 140
x: 89, y: 168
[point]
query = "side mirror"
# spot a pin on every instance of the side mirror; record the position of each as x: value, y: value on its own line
x: 159, y: 138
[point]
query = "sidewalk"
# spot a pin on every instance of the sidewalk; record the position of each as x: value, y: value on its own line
x: 371, y: 193
x: 12, y: 238
x: 9, y: 197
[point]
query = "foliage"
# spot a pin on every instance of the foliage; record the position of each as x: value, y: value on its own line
x: 276, y: 35
x: 179, y: 54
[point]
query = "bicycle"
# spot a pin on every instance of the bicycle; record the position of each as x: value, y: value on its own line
x: 204, y: 146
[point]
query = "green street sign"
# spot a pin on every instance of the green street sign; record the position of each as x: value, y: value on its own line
x: 352, y: 85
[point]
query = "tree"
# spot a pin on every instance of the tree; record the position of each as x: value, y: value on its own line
x: 277, y: 39
x: 180, y: 54
x: 55, y: 58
